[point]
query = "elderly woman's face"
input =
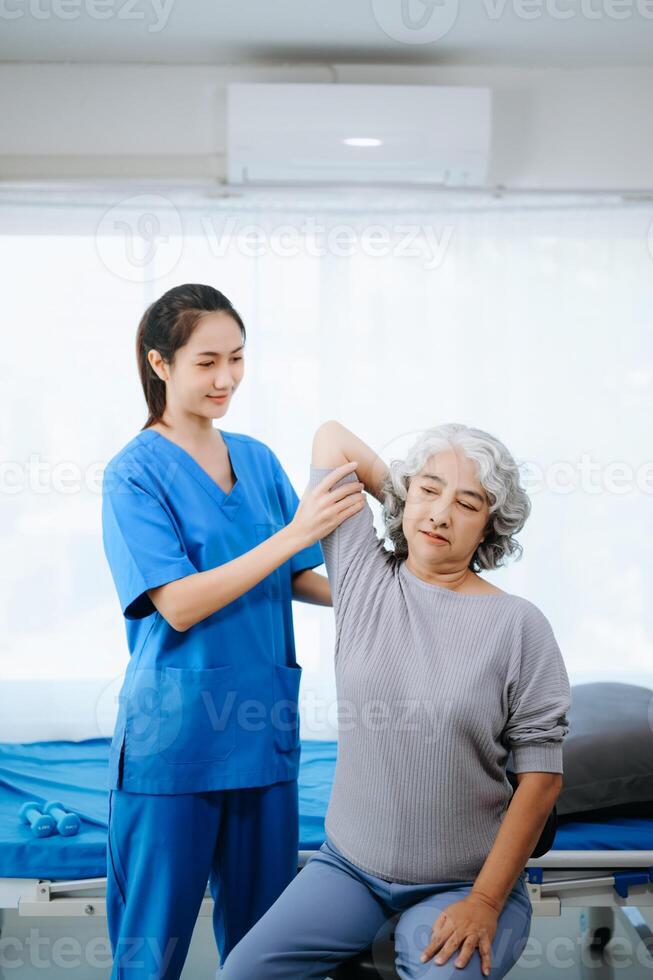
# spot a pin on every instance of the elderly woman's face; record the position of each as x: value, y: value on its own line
x: 445, y: 498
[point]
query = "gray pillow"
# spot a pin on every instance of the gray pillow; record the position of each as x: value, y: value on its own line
x: 608, y: 752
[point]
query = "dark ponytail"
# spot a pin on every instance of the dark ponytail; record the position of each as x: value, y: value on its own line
x: 166, y: 326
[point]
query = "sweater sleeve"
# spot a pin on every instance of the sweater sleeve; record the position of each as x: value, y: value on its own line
x: 539, y: 698
x: 353, y: 548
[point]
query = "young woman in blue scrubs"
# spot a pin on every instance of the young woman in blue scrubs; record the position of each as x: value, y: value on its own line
x: 207, y: 544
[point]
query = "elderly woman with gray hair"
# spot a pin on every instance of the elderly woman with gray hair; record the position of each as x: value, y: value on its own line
x: 443, y: 675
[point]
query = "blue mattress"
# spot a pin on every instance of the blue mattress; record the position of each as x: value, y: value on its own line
x: 75, y: 773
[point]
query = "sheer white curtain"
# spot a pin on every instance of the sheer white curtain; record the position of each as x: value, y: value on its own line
x: 531, y: 323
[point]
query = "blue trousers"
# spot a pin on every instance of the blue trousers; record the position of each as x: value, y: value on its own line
x: 333, y: 910
x: 162, y: 851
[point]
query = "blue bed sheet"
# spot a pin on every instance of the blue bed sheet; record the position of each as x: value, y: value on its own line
x: 615, y: 834
x: 75, y: 773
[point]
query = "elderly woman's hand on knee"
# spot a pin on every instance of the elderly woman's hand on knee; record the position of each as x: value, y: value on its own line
x: 467, y: 924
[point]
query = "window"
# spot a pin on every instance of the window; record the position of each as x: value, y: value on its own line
x: 532, y: 323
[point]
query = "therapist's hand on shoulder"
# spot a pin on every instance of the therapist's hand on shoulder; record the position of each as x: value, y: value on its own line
x: 321, y: 510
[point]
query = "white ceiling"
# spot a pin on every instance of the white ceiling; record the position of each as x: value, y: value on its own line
x: 566, y: 33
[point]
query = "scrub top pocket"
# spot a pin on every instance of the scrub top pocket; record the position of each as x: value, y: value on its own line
x: 198, y: 714
x: 272, y: 584
x: 285, y: 710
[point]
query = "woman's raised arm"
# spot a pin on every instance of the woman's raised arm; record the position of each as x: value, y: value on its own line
x: 188, y: 600
x: 334, y: 445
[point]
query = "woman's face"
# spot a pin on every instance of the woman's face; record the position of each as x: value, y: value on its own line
x: 446, y: 498
x: 210, y: 364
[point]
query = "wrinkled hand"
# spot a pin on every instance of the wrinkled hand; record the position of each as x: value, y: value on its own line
x: 469, y: 923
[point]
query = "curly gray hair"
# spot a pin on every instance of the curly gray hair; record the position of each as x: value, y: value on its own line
x: 498, y: 474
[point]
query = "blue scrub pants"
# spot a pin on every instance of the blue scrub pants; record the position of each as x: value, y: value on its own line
x: 162, y: 850
x: 333, y: 910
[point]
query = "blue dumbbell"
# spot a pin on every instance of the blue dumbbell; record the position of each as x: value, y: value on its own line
x: 67, y: 823
x: 42, y: 824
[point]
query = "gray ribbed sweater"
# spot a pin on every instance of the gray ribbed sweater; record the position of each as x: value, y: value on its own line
x: 435, y: 689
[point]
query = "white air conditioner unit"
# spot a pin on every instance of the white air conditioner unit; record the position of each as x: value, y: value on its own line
x: 408, y: 134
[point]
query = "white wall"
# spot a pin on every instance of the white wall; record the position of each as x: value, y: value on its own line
x: 554, y: 129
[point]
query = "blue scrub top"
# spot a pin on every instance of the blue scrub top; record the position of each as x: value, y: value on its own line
x: 214, y: 707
